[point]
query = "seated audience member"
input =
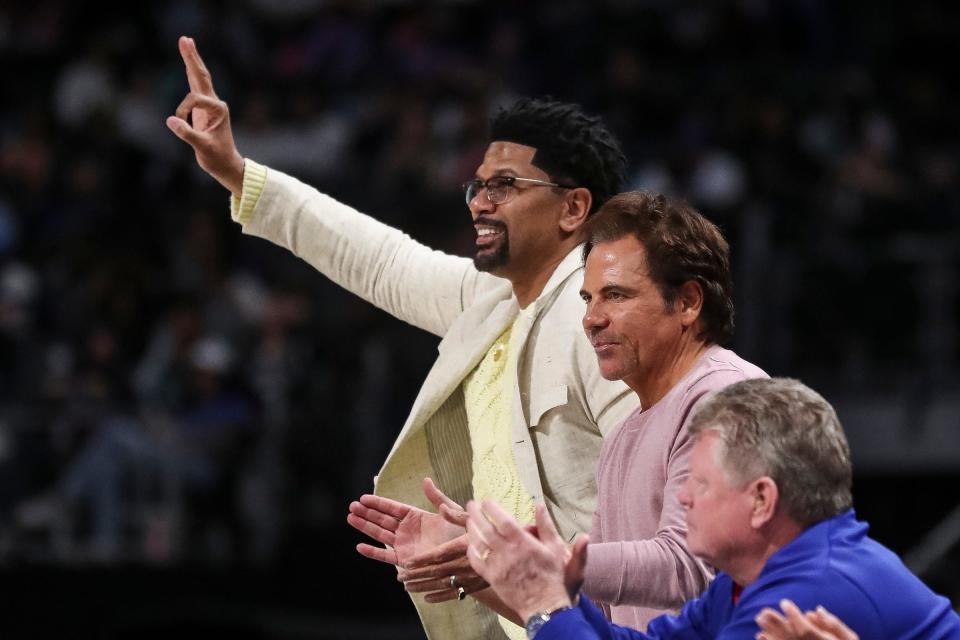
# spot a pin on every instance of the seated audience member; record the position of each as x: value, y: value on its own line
x: 768, y: 503
x: 659, y: 303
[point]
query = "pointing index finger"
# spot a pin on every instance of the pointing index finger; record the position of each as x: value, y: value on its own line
x: 198, y: 77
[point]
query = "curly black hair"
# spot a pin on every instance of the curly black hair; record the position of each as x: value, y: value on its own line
x: 572, y: 147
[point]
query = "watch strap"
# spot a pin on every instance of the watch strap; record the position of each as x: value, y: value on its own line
x: 537, y: 620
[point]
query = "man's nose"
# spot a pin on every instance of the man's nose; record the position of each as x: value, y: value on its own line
x: 594, y: 318
x: 480, y: 204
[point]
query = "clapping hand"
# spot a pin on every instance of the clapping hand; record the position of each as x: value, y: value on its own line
x: 428, y: 548
x: 819, y: 624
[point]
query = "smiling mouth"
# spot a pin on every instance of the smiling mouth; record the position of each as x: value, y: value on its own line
x: 487, y: 235
x: 603, y: 342
x: 603, y: 347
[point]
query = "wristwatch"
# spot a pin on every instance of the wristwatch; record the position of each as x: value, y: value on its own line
x: 537, y: 620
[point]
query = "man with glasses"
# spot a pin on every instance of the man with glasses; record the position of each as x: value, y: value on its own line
x: 515, y: 408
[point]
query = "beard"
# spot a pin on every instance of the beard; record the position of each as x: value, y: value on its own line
x: 489, y: 259
x: 492, y: 258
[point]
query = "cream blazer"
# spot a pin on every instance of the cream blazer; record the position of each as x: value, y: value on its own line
x: 562, y: 407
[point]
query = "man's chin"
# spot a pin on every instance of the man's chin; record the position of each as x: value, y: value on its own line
x: 490, y: 260
x: 695, y: 544
x: 609, y: 368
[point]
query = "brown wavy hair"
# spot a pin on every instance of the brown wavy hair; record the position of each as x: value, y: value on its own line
x: 681, y: 246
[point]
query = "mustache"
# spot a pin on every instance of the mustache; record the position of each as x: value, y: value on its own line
x: 489, y: 222
x: 601, y: 336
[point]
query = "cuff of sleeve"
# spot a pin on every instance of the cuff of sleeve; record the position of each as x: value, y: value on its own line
x: 254, y: 177
x: 571, y: 623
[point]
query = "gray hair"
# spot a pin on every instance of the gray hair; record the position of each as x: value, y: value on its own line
x: 781, y: 428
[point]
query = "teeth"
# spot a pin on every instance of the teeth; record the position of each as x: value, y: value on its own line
x: 486, y: 231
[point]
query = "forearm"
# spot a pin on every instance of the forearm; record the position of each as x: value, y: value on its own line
x: 652, y: 568
x: 380, y: 264
x: 659, y: 573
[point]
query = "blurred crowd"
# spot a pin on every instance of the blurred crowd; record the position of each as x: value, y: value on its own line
x: 173, y: 391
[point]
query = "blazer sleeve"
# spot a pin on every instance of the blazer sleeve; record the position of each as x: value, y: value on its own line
x: 382, y: 265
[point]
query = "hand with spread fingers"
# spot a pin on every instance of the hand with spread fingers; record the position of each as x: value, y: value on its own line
x: 530, y: 570
x: 793, y: 624
x: 203, y: 121
x: 407, y: 530
x: 429, y: 548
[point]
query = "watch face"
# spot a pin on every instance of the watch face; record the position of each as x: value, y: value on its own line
x: 535, y: 623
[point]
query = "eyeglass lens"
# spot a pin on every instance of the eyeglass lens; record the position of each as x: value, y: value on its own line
x: 496, y: 187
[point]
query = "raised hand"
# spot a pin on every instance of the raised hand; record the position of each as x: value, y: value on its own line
x: 409, y: 530
x: 530, y: 571
x: 203, y: 122
x: 819, y: 624
x: 429, y: 548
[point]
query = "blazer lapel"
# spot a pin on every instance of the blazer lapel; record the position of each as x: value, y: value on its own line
x: 460, y: 351
x: 468, y: 340
x: 524, y: 453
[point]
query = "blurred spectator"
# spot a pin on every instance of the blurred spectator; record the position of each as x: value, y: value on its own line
x: 188, y: 455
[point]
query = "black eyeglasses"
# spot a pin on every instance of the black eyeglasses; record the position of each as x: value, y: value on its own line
x: 502, y: 188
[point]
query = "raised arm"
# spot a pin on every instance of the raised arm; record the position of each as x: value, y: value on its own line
x: 382, y: 265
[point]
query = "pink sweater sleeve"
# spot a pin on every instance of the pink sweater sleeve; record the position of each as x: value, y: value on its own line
x: 659, y: 572
x: 639, y: 563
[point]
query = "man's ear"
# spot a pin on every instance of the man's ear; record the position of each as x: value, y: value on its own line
x: 766, y: 495
x: 689, y: 302
x: 576, y: 207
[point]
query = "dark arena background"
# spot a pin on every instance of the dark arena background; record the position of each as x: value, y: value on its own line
x: 821, y: 136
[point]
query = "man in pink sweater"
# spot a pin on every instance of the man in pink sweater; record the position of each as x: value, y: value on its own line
x: 659, y: 303
x: 659, y: 300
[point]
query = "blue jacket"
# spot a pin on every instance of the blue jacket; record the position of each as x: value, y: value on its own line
x: 833, y: 563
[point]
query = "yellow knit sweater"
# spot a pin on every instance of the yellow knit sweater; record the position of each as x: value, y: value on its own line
x: 488, y: 393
